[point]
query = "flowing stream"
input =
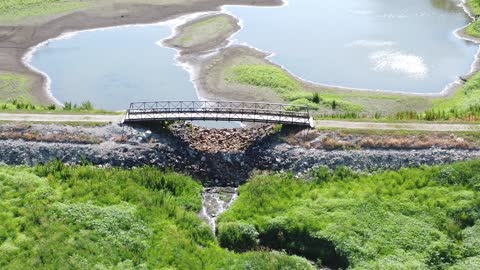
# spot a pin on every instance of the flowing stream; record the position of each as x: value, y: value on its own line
x: 216, y: 200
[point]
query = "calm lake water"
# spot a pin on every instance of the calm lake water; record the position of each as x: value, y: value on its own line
x: 405, y: 45
x: 113, y: 67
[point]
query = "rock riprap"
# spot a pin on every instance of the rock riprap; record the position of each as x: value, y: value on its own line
x: 258, y: 149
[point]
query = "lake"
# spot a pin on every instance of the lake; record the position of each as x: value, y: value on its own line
x: 406, y: 45
x: 113, y: 67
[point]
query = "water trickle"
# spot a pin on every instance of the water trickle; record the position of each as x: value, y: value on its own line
x: 216, y: 200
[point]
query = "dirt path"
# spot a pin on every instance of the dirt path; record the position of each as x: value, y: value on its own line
x: 105, y: 118
x: 98, y: 118
x: 397, y: 126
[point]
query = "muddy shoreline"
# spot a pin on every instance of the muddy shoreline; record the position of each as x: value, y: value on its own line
x: 209, y: 86
x: 16, y: 41
x: 206, y: 70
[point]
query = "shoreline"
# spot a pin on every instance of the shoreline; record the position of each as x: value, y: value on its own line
x: 27, y: 37
x: 447, y: 91
x: 192, y: 61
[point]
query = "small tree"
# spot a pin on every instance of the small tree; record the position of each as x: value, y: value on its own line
x: 334, y: 105
x: 67, y: 106
x: 86, y: 106
x: 316, y: 98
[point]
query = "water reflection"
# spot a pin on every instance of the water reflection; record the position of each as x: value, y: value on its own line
x: 406, y: 45
x: 114, y: 67
x: 446, y: 5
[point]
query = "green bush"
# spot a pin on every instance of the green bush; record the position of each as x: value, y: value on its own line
x: 237, y: 236
x: 83, y: 217
x: 321, y: 174
x: 302, y: 102
x: 334, y: 105
x: 67, y: 106
x: 471, y: 240
x: 86, y: 106
x: 417, y: 218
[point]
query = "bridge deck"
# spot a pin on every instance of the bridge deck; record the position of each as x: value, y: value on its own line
x: 218, y: 111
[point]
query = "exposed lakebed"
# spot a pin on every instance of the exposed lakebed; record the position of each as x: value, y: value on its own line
x: 400, y: 46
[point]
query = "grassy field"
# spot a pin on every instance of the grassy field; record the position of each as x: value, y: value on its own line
x: 22, y: 106
x: 203, y: 32
x: 464, y: 105
x: 465, y: 99
x: 58, y: 217
x: 287, y: 87
x: 14, y: 86
x: 15, y: 96
x: 425, y: 218
x: 474, y: 6
x: 474, y: 28
x: 17, y: 10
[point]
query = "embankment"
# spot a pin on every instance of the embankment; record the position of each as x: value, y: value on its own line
x: 259, y: 149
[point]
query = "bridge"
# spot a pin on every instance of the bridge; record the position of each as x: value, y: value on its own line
x: 255, y: 112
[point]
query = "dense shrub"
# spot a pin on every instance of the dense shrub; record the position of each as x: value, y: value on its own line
x: 419, y: 218
x: 238, y: 236
x: 82, y: 217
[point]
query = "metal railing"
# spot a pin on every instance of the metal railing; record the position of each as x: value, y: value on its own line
x: 218, y: 111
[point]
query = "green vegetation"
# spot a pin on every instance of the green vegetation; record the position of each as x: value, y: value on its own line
x: 473, y: 136
x: 425, y: 218
x: 463, y: 106
x: 474, y: 28
x: 14, y: 86
x: 204, y: 31
x: 286, y: 86
x: 83, y: 217
x: 23, y: 106
x: 465, y: 103
x: 15, y: 10
x: 474, y: 6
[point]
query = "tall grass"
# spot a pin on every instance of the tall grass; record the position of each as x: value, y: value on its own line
x: 286, y: 87
x: 83, y: 217
x: 426, y: 218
